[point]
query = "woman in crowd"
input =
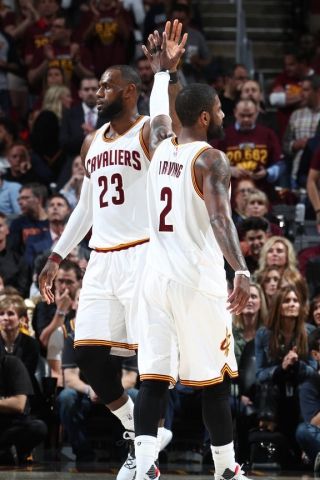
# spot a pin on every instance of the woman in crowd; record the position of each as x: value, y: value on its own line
x: 314, y: 313
x: 277, y: 252
x: 269, y: 279
x: 295, y: 279
x: 282, y: 364
x: 242, y: 189
x: 72, y: 188
x: 46, y: 127
x: 13, y: 316
x: 245, y: 327
x: 247, y: 323
x: 258, y: 206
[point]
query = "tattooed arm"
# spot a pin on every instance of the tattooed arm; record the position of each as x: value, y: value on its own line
x: 213, y: 175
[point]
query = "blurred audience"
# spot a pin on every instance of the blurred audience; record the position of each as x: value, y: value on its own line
x: 282, y: 365
x: 17, y: 427
x: 13, y: 268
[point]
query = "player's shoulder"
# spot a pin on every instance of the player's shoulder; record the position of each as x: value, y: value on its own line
x: 211, y: 153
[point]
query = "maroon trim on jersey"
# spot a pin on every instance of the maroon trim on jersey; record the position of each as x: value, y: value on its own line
x: 193, y: 173
x: 107, y: 139
x: 204, y: 383
x: 108, y: 343
x: 122, y: 246
x: 157, y: 376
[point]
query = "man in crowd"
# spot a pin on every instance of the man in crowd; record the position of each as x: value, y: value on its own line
x: 80, y: 119
x: 33, y: 218
x: 254, y: 231
x: 253, y: 150
x: 58, y: 211
x: 303, y: 124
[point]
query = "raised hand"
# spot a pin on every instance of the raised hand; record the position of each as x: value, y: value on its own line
x: 165, y: 53
x: 173, y: 33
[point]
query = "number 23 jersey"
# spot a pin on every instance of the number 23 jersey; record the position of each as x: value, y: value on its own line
x: 182, y: 244
x: 118, y: 173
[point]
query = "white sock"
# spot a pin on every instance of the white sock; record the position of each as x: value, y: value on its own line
x: 158, y: 444
x: 125, y: 414
x: 145, y: 449
x: 223, y: 458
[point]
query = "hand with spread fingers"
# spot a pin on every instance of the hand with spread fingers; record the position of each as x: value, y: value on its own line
x: 164, y: 52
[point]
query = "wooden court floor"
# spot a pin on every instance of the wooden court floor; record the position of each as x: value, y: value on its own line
x: 69, y: 472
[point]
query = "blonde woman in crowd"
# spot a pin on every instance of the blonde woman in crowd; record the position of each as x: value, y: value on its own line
x: 277, y: 252
x: 258, y: 206
x: 13, y: 334
x: 247, y: 323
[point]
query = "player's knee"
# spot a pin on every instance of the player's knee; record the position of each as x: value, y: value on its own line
x: 218, y: 392
x: 157, y: 387
x: 91, y: 357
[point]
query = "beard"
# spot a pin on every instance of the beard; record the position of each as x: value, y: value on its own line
x: 215, y: 132
x: 112, y: 111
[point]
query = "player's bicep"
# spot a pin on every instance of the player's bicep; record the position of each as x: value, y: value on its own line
x: 160, y: 129
x: 216, y: 183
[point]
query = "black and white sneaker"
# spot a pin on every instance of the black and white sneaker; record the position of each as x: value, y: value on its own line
x: 153, y: 473
x: 128, y: 469
x: 228, y: 474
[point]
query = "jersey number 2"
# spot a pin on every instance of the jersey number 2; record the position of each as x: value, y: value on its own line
x: 165, y: 196
x: 116, y: 180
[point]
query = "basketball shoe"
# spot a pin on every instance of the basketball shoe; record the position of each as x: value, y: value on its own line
x: 128, y: 469
x: 228, y: 474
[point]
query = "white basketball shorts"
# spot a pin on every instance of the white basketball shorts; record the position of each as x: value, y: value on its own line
x: 107, y: 305
x: 185, y: 334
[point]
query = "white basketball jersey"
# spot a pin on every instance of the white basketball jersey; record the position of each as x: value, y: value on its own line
x: 182, y: 243
x: 118, y: 172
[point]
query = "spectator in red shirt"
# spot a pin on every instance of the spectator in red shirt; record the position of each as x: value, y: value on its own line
x: 107, y: 29
x: 286, y: 92
x: 75, y: 61
x: 253, y: 150
x: 37, y: 35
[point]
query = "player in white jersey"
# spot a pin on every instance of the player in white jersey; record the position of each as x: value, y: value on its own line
x: 186, y: 326
x: 113, y: 203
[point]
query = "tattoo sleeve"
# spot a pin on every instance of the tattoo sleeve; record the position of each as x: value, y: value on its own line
x: 160, y: 130
x: 216, y: 183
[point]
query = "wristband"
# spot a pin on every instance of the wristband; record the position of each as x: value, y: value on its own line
x: 61, y: 313
x: 246, y: 273
x: 173, y: 78
x: 88, y: 389
x: 55, y: 257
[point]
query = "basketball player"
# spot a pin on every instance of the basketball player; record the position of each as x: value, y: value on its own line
x: 186, y: 326
x: 113, y: 203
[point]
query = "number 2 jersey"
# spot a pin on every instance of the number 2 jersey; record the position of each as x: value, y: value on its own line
x: 182, y: 243
x: 118, y: 173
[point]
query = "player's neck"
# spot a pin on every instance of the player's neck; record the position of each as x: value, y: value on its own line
x: 118, y: 126
x: 192, y: 134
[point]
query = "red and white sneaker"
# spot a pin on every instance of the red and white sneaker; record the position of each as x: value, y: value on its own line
x: 236, y: 474
x: 153, y: 473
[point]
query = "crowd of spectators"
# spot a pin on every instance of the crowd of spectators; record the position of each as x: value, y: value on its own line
x: 52, y: 54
